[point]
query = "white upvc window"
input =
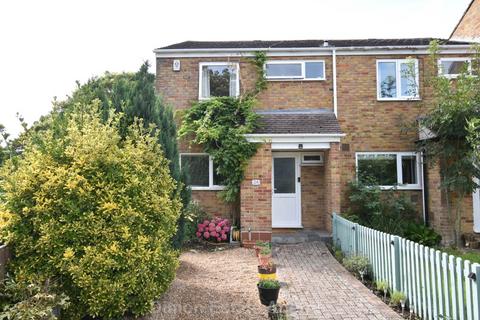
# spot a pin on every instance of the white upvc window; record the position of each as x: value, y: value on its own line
x: 397, y: 79
x: 295, y: 70
x: 218, y: 79
x: 453, y: 67
x: 201, y: 171
x: 390, y: 169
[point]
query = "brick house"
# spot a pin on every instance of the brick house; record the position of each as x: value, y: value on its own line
x: 468, y: 27
x: 331, y: 109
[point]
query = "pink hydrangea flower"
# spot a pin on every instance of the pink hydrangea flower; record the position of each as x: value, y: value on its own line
x: 199, y: 234
x: 206, y: 235
x: 219, y: 239
x: 224, y: 236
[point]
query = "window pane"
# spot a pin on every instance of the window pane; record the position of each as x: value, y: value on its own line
x: 313, y: 70
x: 453, y: 67
x: 218, y: 179
x: 409, y: 170
x: 196, y: 167
x: 284, y: 70
x: 218, y: 81
x: 284, y: 175
x: 408, y: 80
x: 378, y: 169
x: 388, y: 79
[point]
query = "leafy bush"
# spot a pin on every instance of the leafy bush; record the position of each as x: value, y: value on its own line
x: 339, y: 255
x: 269, y: 284
x: 388, y: 212
x: 216, y: 229
x: 356, y: 264
x: 30, y: 301
x: 422, y: 234
x: 397, y: 298
x: 94, y: 211
x: 382, y: 286
x: 193, y: 215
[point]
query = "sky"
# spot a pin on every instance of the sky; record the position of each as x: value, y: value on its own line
x: 46, y: 46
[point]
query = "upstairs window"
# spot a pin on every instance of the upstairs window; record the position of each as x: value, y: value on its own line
x: 388, y: 169
x: 218, y: 79
x: 397, y: 79
x: 453, y: 67
x: 201, y: 171
x: 295, y: 70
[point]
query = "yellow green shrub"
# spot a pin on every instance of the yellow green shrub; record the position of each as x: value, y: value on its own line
x: 93, y: 211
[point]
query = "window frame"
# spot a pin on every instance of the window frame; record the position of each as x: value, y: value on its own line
x: 454, y: 76
x: 293, y: 78
x: 398, y: 77
x: 399, y: 156
x: 210, y: 186
x: 216, y: 63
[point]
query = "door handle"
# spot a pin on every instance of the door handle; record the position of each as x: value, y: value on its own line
x: 298, y: 179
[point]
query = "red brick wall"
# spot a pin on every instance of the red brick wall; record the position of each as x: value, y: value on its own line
x: 313, y: 197
x: 181, y: 88
x: 469, y: 26
x: 256, y: 201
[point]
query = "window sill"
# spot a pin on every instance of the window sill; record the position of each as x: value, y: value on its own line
x: 212, y: 188
x: 399, y: 99
x: 206, y: 99
x: 401, y: 188
x: 292, y: 80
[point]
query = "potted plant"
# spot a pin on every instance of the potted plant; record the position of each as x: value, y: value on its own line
x: 278, y: 311
x: 259, y: 245
x: 268, y: 291
x: 265, y: 256
x: 267, y: 272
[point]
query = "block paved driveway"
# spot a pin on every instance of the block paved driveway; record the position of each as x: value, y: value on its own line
x: 318, y: 287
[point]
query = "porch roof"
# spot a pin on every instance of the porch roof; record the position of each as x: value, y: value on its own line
x: 298, y: 121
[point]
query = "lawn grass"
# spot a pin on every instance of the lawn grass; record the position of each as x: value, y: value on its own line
x: 473, y: 256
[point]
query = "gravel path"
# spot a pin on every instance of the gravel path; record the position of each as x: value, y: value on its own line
x: 213, y: 285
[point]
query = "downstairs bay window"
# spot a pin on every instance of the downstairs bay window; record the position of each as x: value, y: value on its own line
x: 389, y: 169
x: 201, y: 171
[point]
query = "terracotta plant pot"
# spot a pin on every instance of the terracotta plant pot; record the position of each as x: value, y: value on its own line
x: 268, y: 296
x: 264, y: 260
x: 267, y: 273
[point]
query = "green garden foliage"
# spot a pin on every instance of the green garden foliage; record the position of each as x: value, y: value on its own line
x: 388, y: 211
x: 357, y: 264
x: 93, y: 211
x: 133, y: 95
x: 219, y: 125
x: 452, y: 118
x: 32, y: 301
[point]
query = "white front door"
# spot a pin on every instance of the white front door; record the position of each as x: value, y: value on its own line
x: 286, y: 207
x: 476, y: 211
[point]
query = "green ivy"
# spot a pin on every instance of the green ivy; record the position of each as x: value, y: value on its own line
x: 220, y: 124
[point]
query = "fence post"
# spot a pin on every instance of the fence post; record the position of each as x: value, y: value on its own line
x: 396, y: 263
x: 476, y: 290
x: 355, y: 239
x: 334, y: 228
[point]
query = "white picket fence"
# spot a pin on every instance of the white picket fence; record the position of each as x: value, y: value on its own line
x: 437, y: 285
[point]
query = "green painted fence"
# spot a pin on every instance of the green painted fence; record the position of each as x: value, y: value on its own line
x: 437, y: 285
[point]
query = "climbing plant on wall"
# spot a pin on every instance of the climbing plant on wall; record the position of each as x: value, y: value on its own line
x: 219, y: 125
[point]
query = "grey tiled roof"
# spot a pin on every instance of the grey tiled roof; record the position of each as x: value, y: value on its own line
x: 261, y: 44
x: 298, y: 121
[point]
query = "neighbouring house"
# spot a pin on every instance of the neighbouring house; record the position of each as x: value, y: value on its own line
x: 331, y: 108
x: 468, y: 27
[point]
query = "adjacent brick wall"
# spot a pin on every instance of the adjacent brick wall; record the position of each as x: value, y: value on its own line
x: 469, y: 26
x: 256, y: 201
x: 333, y: 169
x: 439, y: 217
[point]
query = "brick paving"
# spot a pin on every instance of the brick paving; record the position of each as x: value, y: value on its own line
x: 318, y: 287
